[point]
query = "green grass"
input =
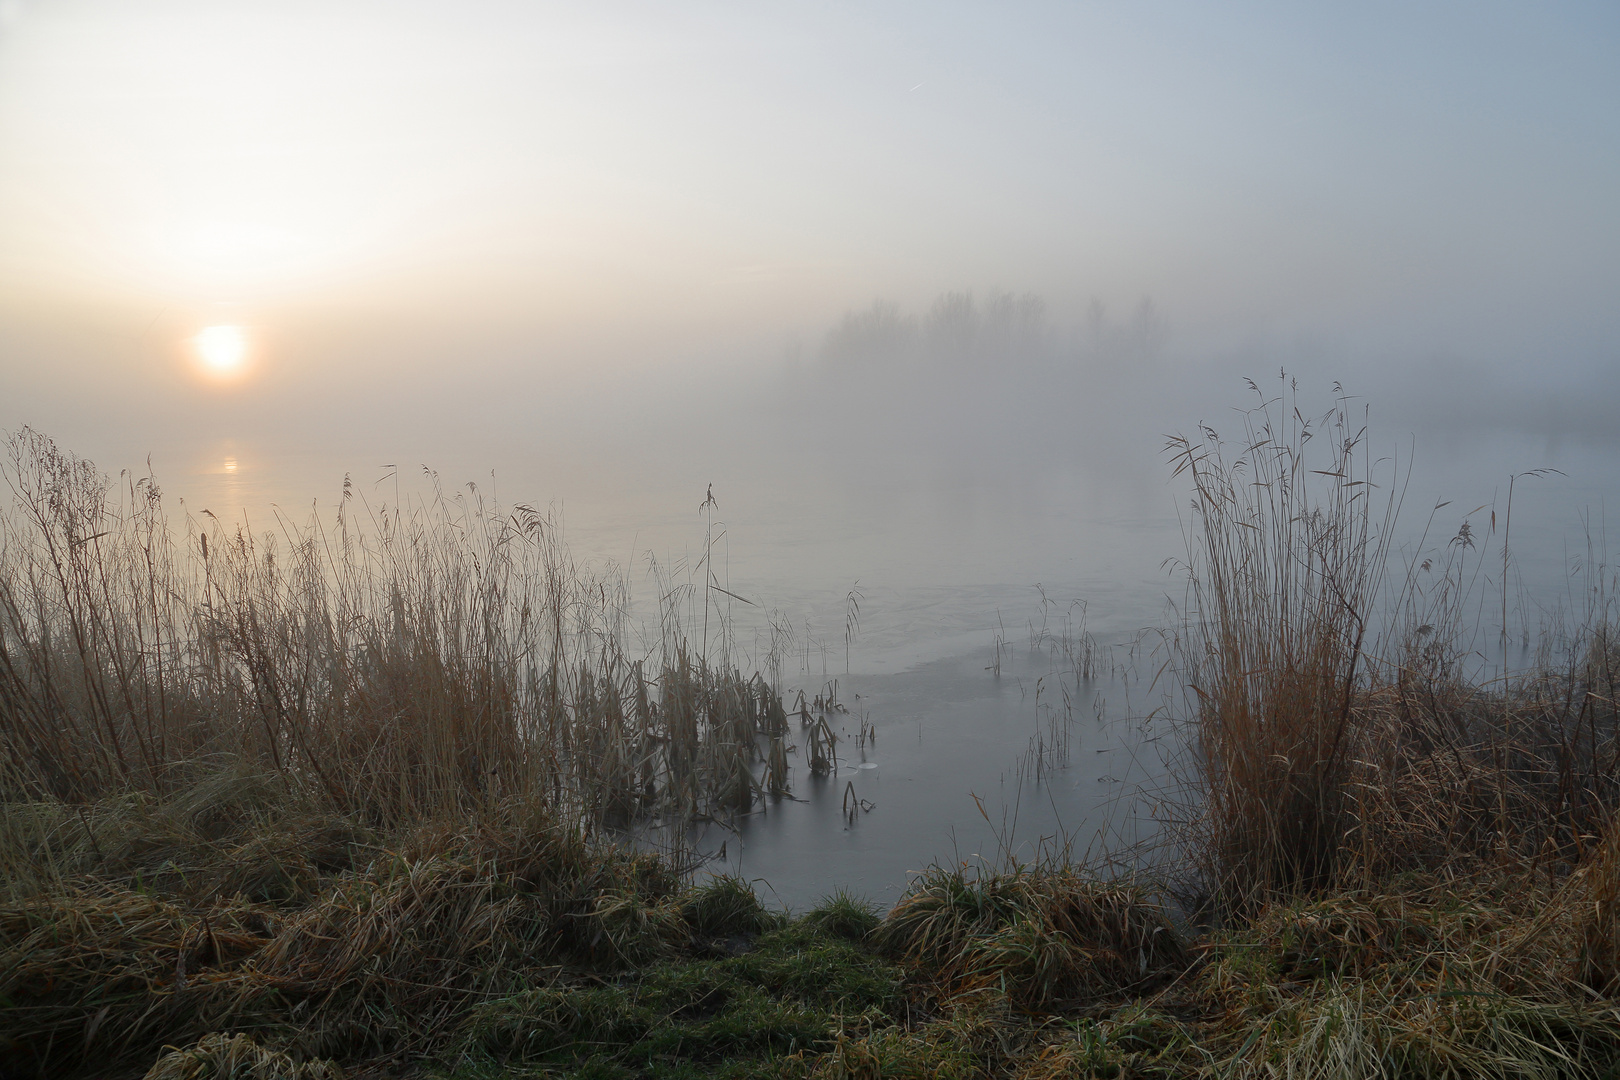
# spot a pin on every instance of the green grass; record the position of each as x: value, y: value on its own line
x: 792, y: 993
x: 845, y: 915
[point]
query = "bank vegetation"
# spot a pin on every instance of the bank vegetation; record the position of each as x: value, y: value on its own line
x: 352, y: 800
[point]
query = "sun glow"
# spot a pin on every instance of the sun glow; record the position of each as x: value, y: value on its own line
x: 222, y: 349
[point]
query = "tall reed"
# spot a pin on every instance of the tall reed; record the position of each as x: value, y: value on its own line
x: 1326, y: 753
x: 1287, y: 545
x: 392, y: 664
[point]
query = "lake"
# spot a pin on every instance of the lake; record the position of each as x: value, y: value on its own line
x: 929, y: 547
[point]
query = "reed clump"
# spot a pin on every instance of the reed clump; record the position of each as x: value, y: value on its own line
x: 385, y: 666
x: 1398, y: 866
x: 1336, y: 737
x: 1285, y: 564
x: 329, y: 783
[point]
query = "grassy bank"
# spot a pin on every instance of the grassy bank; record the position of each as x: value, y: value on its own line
x: 341, y: 805
x: 511, y: 947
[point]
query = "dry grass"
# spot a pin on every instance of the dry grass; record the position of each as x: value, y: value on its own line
x: 1285, y: 561
x: 1324, y: 753
x: 1040, y: 935
x: 1427, y: 976
x: 237, y: 1057
x: 384, y: 666
x: 385, y: 957
x: 1424, y: 976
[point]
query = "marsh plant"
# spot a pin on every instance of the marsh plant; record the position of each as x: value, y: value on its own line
x: 1336, y: 736
x: 389, y: 665
x: 1286, y: 553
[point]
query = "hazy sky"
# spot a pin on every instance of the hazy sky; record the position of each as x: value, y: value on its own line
x: 710, y: 164
x: 605, y: 250
x: 407, y: 199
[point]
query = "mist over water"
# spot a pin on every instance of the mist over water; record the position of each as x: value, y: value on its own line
x: 949, y: 458
x: 917, y: 295
x: 979, y: 474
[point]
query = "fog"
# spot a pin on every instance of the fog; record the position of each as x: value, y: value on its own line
x: 920, y: 291
x: 915, y: 293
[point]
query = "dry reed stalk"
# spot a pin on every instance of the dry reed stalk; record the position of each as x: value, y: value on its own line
x: 1286, y: 554
x: 1599, y: 918
x: 391, y: 664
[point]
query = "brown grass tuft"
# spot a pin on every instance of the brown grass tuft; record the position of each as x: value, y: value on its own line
x: 1039, y: 935
x: 237, y: 1057
x: 1286, y: 555
x: 1324, y: 756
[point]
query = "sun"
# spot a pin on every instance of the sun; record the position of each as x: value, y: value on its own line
x: 222, y: 349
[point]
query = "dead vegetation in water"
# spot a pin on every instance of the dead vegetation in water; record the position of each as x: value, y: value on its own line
x: 347, y: 777
x: 384, y: 665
